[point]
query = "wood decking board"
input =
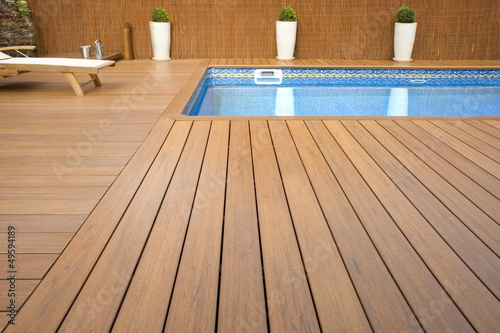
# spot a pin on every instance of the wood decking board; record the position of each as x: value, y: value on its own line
x: 220, y: 224
x: 42, y: 223
x: 337, y: 304
x: 30, y: 266
x: 418, y: 285
x: 242, y: 304
x: 478, y: 257
x: 469, y: 152
x: 65, y: 180
x: 477, y: 133
x: 462, y: 163
x: 474, y: 218
x: 382, y: 301
x: 48, y: 170
x: 485, y: 127
x: 475, y: 193
x: 76, y: 192
x: 445, y: 265
x: 157, y: 269
x: 64, y: 280
x: 46, y: 242
x: 197, y: 281
x: 286, y: 278
x: 27, y: 206
x: 470, y: 140
x: 134, y: 229
x: 23, y: 289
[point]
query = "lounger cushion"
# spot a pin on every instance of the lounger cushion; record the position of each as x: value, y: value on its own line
x: 64, y: 65
x: 4, y: 56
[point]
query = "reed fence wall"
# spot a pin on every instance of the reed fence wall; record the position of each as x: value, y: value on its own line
x: 348, y: 29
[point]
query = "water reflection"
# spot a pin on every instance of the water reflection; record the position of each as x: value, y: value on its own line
x: 285, y: 103
x: 398, y: 102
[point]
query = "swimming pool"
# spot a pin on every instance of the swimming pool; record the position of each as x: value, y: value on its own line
x: 346, y: 92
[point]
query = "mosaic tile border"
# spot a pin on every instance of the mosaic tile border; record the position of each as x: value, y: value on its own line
x: 378, y: 77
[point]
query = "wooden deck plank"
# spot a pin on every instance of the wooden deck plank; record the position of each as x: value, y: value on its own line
x: 289, y: 301
x: 241, y: 298
x: 48, y: 170
x: 213, y: 62
x: 471, y: 249
x: 52, y: 192
x: 28, y: 266
x: 32, y: 129
x: 477, y: 133
x: 470, y: 140
x: 193, y: 307
x: 385, y: 306
x: 476, y: 173
x: 42, y: 223
x: 157, y: 268
x: 417, y: 284
x: 445, y: 265
x: 62, y: 180
x: 485, y: 127
x: 26, y: 206
x: 472, y: 154
x: 116, y: 265
x: 471, y: 190
x: 51, y: 300
x: 63, y: 165
x: 337, y: 304
x: 29, y: 242
x: 493, y: 123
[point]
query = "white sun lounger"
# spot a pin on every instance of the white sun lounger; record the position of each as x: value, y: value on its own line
x: 69, y: 67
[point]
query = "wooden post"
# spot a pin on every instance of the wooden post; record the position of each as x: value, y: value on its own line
x: 127, y: 42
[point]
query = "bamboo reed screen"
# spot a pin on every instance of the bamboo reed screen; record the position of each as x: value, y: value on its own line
x: 348, y: 29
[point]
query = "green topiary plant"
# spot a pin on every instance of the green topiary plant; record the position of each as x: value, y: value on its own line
x: 405, y: 15
x: 160, y: 15
x: 288, y: 14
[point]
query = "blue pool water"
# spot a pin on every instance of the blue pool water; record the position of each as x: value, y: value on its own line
x: 349, y: 92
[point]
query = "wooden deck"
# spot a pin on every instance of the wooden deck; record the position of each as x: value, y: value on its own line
x: 260, y: 225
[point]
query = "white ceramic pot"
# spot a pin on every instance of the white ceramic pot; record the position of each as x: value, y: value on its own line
x: 160, y: 38
x: 404, y: 37
x: 286, y: 33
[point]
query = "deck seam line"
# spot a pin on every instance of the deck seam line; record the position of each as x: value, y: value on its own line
x: 432, y: 122
x: 150, y: 230
x: 401, y: 231
x: 326, y: 221
x: 266, y: 305
x: 114, y: 229
x: 425, y: 186
x: 222, y: 230
x: 443, y: 142
x: 481, y: 129
x: 293, y: 224
x: 454, y: 124
x: 443, y: 158
x: 188, y: 220
x: 393, y: 222
x: 360, y: 222
x: 445, y: 206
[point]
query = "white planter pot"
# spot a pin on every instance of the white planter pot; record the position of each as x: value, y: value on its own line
x: 404, y: 37
x: 286, y: 33
x: 160, y: 38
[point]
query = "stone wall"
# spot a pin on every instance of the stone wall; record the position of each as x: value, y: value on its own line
x: 14, y: 28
